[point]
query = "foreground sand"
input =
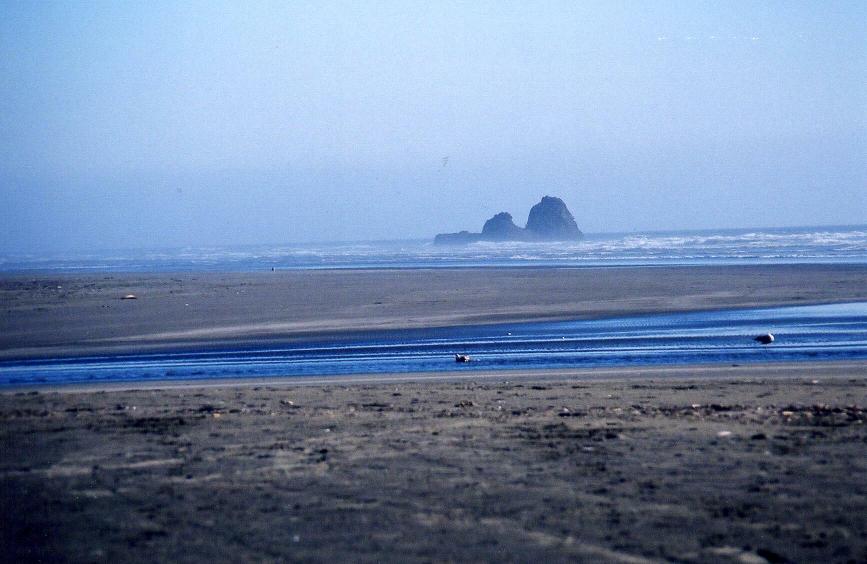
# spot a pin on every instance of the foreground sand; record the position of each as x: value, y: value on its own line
x: 80, y: 314
x: 695, y: 464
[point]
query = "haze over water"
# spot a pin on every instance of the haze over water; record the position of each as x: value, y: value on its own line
x: 749, y: 246
x: 198, y: 124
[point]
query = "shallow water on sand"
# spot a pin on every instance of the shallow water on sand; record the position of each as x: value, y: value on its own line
x: 805, y: 333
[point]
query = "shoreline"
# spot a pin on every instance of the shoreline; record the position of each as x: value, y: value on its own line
x: 757, y: 370
x: 74, y: 315
x: 132, y: 345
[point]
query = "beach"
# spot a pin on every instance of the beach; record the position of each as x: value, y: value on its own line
x: 433, y: 282
x: 691, y: 464
x: 78, y: 314
x: 710, y: 463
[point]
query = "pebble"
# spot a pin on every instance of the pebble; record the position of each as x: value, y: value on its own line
x: 750, y: 558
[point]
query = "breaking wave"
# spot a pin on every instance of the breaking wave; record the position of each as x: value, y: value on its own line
x: 794, y: 245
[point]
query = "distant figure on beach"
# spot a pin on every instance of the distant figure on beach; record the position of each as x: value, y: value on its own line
x: 462, y: 358
x: 765, y: 339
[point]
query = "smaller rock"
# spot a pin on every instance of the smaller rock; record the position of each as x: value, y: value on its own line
x: 502, y: 228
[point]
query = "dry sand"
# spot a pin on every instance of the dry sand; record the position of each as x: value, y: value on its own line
x: 81, y: 314
x: 724, y: 464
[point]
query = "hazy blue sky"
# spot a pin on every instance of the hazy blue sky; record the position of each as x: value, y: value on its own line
x: 126, y: 124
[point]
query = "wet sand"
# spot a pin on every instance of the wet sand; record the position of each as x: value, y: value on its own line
x: 49, y: 315
x: 694, y: 464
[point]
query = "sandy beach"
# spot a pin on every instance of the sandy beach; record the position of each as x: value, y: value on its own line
x: 45, y: 315
x: 719, y: 463
x: 433, y: 282
x: 694, y: 464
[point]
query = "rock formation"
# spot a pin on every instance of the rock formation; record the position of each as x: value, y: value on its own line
x: 460, y: 238
x: 502, y: 228
x: 550, y: 220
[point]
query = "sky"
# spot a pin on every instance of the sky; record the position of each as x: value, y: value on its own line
x: 167, y: 123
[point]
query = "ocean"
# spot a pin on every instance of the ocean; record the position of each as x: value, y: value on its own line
x: 720, y: 247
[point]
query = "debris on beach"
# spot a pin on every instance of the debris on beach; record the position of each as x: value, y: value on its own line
x: 130, y: 297
x: 462, y: 358
x: 765, y: 339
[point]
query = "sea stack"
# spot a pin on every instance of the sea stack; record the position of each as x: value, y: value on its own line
x: 549, y: 220
x: 501, y: 227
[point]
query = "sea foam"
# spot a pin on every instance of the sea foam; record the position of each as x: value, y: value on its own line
x: 794, y: 245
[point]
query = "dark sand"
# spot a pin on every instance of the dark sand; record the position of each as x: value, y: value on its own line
x: 694, y: 464
x: 82, y: 314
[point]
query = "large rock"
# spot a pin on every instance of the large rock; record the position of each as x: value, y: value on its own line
x: 549, y: 220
